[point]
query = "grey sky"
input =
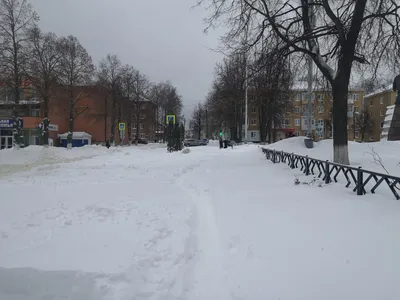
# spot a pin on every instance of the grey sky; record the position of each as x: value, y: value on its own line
x: 162, y: 38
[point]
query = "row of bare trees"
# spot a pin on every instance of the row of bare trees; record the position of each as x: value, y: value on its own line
x: 267, y: 76
x: 338, y: 35
x: 49, y: 62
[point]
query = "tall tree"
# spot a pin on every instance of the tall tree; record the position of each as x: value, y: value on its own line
x: 75, y: 71
x: 140, y: 93
x: 335, y: 34
x: 42, y: 66
x: 196, y: 123
x: 16, y: 19
x: 110, y: 77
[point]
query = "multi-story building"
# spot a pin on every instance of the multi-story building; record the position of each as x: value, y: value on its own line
x: 375, y: 104
x: 296, y: 118
x: 92, y: 115
x: 322, y: 111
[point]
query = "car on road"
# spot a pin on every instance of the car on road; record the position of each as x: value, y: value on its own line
x: 203, y: 142
x: 191, y: 142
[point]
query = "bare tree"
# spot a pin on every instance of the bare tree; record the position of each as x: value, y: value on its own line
x: 44, y: 61
x: 16, y: 19
x: 197, y: 121
x: 74, y: 72
x: 271, y: 85
x: 335, y: 34
x: 110, y: 77
x: 363, y: 123
x: 140, y: 92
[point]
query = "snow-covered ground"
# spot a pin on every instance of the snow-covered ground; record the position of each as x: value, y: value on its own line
x: 141, y: 223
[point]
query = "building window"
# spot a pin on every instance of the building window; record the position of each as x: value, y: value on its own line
x: 143, y: 106
x: 141, y: 126
x: 253, y: 121
x: 34, y: 112
x: 355, y: 97
x: 356, y: 134
x: 297, y: 122
x: 381, y: 100
x: 253, y: 109
x: 350, y: 108
x: 142, y: 136
x: 134, y: 126
x: 297, y: 109
x: 382, y: 112
x: 356, y: 109
x: 298, y: 96
x: 320, y: 109
x: 253, y: 134
x: 320, y: 98
x: 287, y: 122
x: 296, y: 133
x: 371, y: 104
x: 305, y: 108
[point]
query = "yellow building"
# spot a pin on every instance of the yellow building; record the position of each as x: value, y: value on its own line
x: 375, y: 105
x: 297, y: 118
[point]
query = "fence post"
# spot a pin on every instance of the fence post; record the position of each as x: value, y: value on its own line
x: 307, y: 170
x: 274, y: 156
x: 292, y: 161
x: 282, y: 157
x: 327, y: 176
x: 360, y: 189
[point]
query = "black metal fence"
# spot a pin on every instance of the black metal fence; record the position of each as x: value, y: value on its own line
x: 330, y: 171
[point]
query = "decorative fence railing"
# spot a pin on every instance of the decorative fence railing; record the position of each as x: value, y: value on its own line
x: 329, y: 171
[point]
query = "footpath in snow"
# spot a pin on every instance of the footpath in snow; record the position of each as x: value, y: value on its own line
x: 140, y: 223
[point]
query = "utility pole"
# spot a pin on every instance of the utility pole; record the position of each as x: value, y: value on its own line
x: 309, y: 141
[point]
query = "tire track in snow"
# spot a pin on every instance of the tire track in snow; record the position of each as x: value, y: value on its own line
x: 205, y: 276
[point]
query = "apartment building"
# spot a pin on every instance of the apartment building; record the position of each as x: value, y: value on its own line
x: 297, y: 119
x: 375, y: 104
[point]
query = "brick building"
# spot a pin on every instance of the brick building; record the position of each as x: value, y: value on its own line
x: 375, y: 104
x: 92, y: 115
x: 296, y: 118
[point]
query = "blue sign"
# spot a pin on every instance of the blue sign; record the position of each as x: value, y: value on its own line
x: 9, y: 123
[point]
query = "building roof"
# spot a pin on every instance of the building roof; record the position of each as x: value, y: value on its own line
x: 383, y: 89
x: 302, y: 85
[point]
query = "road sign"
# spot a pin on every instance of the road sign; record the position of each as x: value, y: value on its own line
x: 9, y: 123
x: 171, y: 119
x: 121, y: 126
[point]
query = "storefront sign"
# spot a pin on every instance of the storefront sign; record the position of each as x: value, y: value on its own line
x: 9, y: 123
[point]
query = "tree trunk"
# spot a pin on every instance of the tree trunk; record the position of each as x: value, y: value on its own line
x: 105, y: 119
x: 71, y: 120
x: 16, y: 119
x: 340, y: 140
x: 113, y: 117
x: 46, y: 120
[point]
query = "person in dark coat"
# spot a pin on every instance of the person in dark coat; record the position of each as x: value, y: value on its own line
x: 108, y: 144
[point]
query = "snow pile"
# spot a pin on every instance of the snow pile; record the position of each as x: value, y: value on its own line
x: 141, y: 223
x: 25, y: 159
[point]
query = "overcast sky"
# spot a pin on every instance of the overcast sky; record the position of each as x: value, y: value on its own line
x: 162, y: 38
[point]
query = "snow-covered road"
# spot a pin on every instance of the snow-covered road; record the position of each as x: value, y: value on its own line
x: 211, y: 224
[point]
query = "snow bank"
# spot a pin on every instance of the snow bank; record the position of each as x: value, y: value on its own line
x: 361, y: 154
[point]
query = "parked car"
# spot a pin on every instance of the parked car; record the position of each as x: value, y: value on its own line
x: 203, y: 142
x: 139, y: 141
x: 191, y: 142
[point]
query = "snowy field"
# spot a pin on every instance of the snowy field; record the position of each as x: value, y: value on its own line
x: 138, y: 223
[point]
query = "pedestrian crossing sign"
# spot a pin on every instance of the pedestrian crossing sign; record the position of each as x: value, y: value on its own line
x: 171, y: 119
